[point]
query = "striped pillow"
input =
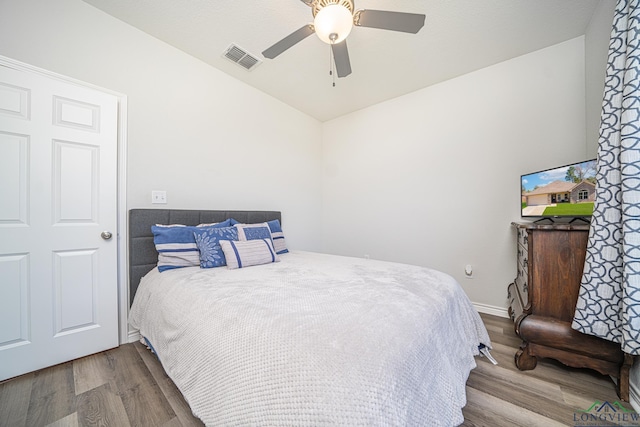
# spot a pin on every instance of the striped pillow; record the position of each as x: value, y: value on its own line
x: 240, y: 254
x: 278, y: 237
x: 176, y: 244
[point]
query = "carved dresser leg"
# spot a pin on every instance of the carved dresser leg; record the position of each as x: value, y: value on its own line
x: 525, y: 361
x: 623, y: 378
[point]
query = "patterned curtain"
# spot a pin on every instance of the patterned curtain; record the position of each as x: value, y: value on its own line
x: 609, y: 300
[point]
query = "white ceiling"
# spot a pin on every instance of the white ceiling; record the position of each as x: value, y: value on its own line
x: 459, y: 36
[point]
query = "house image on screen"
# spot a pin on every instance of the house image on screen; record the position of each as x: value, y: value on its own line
x: 561, y: 192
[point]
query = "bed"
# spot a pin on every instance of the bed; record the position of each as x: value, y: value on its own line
x: 312, y: 339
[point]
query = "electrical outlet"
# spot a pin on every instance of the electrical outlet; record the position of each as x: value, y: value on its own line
x: 468, y: 271
x: 158, y: 197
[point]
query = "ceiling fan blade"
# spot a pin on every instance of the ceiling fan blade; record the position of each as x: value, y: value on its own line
x: 289, y: 41
x: 341, y: 58
x: 385, y: 20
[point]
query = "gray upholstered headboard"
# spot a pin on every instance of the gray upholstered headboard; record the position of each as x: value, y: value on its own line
x: 143, y: 256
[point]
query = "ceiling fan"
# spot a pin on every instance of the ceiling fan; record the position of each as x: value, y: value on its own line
x: 333, y: 21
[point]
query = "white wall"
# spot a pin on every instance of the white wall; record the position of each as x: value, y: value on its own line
x: 432, y: 178
x: 596, y: 51
x: 209, y: 140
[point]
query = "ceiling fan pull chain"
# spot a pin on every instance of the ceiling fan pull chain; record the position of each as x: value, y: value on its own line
x: 333, y: 74
x: 331, y: 65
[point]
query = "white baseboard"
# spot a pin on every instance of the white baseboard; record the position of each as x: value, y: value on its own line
x: 491, y: 309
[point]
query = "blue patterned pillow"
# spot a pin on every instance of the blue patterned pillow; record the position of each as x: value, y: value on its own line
x: 208, y: 243
x: 278, y: 237
x: 176, y: 244
x: 254, y: 231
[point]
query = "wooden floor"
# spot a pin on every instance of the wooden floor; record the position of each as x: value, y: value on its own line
x: 548, y: 395
x: 127, y: 386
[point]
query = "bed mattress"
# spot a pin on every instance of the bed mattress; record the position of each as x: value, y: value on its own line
x: 314, y: 339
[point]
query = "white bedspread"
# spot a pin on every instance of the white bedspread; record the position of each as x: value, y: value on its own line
x: 313, y: 340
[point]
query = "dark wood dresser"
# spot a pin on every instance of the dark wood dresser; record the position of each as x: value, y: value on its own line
x: 542, y: 301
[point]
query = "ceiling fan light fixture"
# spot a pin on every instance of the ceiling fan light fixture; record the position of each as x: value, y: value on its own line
x: 333, y: 23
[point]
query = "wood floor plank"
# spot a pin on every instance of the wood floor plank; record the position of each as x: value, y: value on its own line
x: 130, y: 370
x: 513, y: 379
x: 171, y: 392
x: 174, y: 422
x: 495, y: 324
x: 142, y: 397
x: 493, y: 327
x: 52, y: 395
x: 514, y: 414
x: 93, y: 371
x: 14, y: 400
x: 68, y: 421
x: 100, y: 406
x: 520, y: 395
x: 507, y: 338
x: 146, y: 406
x: 582, y: 379
x: 479, y: 416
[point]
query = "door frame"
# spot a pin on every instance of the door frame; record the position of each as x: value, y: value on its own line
x: 121, y: 186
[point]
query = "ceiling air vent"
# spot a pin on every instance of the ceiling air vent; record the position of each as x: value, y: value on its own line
x: 241, y: 57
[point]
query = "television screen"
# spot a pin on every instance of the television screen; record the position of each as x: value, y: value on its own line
x: 565, y: 191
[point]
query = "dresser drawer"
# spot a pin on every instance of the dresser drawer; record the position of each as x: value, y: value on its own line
x: 523, y: 289
x: 522, y: 278
x: 523, y: 254
x: 523, y: 237
x: 515, y: 304
x: 523, y: 262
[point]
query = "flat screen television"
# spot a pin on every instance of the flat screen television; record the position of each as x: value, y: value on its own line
x: 564, y: 191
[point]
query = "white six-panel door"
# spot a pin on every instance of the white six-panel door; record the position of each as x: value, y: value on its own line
x: 58, y: 177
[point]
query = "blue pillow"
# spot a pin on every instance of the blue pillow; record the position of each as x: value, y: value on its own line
x: 277, y: 235
x: 255, y: 231
x: 208, y: 243
x: 176, y: 245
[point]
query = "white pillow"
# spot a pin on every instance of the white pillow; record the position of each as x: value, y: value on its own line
x: 240, y: 254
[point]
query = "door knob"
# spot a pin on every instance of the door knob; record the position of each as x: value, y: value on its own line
x: 106, y: 235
